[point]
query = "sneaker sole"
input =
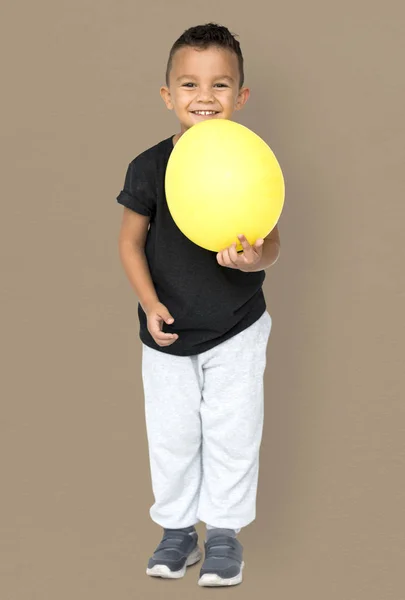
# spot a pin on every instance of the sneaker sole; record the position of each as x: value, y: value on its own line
x: 212, y: 579
x: 166, y: 573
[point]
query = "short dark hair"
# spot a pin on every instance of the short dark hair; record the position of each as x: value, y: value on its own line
x: 204, y: 36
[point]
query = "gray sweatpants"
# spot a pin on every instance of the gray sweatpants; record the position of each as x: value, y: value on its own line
x: 204, y: 422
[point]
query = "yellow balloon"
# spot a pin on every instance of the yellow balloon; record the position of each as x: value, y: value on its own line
x: 223, y: 180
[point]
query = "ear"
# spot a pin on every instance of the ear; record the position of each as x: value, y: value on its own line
x: 242, y: 98
x: 167, y: 98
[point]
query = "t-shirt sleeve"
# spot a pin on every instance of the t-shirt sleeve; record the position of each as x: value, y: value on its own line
x: 139, y: 191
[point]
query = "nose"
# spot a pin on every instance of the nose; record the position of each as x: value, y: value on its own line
x: 205, y: 94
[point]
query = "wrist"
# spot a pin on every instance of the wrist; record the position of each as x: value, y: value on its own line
x: 149, y: 303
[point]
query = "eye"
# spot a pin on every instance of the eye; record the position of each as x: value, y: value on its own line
x: 221, y: 85
x: 188, y: 84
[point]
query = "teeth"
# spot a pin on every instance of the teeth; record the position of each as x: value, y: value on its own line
x: 205, y: 112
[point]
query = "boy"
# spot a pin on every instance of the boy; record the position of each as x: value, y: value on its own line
x: 204, y: 328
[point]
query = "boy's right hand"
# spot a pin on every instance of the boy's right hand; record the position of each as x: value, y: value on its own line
x: 156, y: 316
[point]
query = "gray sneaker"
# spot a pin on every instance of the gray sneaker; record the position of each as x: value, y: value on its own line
x: 223, y: 562
x: 177, y: 551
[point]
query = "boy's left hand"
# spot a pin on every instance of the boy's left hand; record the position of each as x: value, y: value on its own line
x: 244, y: 261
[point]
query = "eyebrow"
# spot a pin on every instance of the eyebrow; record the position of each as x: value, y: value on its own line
x: 193, y: 77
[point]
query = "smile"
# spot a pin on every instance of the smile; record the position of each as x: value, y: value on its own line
x: 205, y: 112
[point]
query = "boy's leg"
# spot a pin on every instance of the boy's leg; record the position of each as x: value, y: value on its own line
x: 172, y: 387
x: 232, y: 412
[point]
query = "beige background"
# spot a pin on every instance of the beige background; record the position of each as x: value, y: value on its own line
x: 80, y: 84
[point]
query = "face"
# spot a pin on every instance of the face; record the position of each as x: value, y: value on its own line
x: 204, y: 84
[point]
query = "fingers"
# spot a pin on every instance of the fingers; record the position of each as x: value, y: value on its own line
x: 160, y: 337
x: 220, y: 259
x: 155, y: 324
x: 229, y: 257
x: 165, y: 339
x: 164, y: 314
x: 247, y: 248
x: 233, y: 255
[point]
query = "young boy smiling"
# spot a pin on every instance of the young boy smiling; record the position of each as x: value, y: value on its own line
x: 204, y: 329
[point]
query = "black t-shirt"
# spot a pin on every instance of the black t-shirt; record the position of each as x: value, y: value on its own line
x: 209, y: 303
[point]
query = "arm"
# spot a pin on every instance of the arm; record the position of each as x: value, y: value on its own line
x: 132, y: 237
x: 270, y: 251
